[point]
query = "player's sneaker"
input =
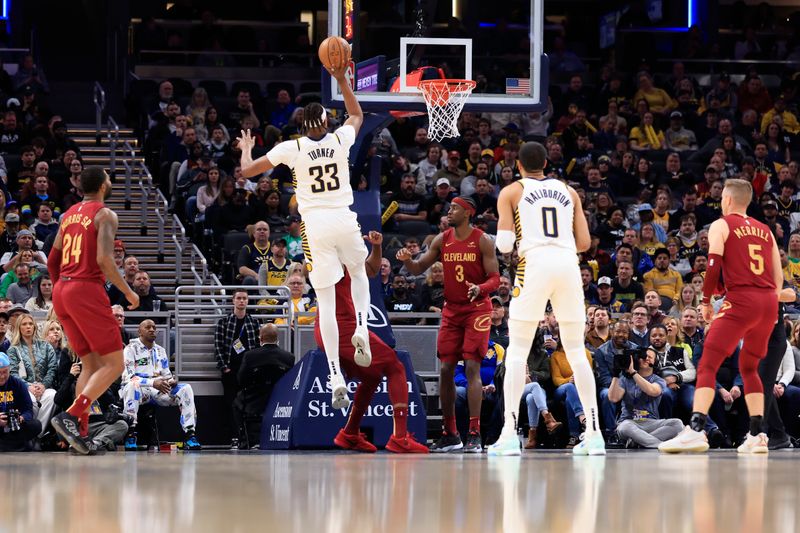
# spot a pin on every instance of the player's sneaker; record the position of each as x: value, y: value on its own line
x: 363, y: 355
x: 447, y: 443
x: 687, y: 440
x: 505, y: 445
x: 405, y: 444
x: 358, y: 442
x: 590, y: 445
x: 754, y: 444
x: 339, y: 398
x: 780, y: 442
x: 68, y: 428
x: 473, y: 444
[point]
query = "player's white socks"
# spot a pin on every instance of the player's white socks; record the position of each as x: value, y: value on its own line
x: 521, y: 335
x: 359, y: 290
x: 328, y: 328
x: 572, y: 340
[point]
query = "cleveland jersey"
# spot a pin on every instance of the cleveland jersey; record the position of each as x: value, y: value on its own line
x: 320, y: 169
x: 544, y: 216
x: 79, y: 243
x: 747, y: 259
x: 463, y: 265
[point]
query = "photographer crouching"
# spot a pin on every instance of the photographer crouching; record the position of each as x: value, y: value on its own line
x: 18, y: 427
x: 640, y: 390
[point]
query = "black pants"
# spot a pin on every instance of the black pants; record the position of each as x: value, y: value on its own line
x: 768, y: 371
x: 20, y: 441
x: 230, y: 387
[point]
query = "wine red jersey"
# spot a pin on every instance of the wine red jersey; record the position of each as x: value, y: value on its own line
x: 79, y: 243
x: 463, y: 265
x: 747, y: 261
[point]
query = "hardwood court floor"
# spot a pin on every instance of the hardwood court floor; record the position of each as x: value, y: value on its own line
x: 342, y: 492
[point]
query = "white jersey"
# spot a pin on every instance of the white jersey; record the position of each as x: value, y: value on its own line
x: 544, y: 216
x: 320, y: 169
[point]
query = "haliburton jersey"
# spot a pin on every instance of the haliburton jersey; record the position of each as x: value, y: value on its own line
x: 544, y: 216
x: 320, y: 169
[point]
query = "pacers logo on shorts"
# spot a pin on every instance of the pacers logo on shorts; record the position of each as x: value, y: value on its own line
x: 483, y: 323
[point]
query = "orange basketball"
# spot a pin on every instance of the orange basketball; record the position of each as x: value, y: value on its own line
x: 334, y: 52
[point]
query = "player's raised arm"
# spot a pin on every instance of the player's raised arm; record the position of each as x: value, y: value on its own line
x: 506, y: 203
x: 252, y: 168
x: 583, y: 240
x: 355, y: 114
x: 423, y: 263
x: 106, y: 223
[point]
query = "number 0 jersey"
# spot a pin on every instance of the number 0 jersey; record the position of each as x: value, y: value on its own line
x: 320, y: 169
x: 79, y: 242
x: 747, y: 259
x: 544, y: 216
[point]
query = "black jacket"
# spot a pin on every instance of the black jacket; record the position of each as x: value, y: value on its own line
x: 261, y: 368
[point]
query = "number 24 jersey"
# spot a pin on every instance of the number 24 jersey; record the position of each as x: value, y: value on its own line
x: 79, y: 243
x: 320, y: 169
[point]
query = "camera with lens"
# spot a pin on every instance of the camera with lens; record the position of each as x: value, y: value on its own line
x: 13, y: 421
x: 623, y: 360
x: 114, y: 413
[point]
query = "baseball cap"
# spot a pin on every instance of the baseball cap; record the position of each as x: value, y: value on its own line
x: 603, y: 159
x: 12, y: 217
x: 119, y: 244
x: 711, y: 169
x: 292, y: 219
x: 23, y: 232
x: 496, y: 300
x: 487, y: 151
x: 11, y: 102
x: 5, y: 362
x: 676, y: 114
x: 605, y: 280
x: 280, y: 240
x: 18, y: 309
x: 442, y: 181
x: 645, y: 207
x: 770, y: 203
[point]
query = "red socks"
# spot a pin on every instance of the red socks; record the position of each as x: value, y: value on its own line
x: 83, y: 425
x: 450, y: 425
x: 79, y: 406
x: 400, y: 419
x: 475, y: 424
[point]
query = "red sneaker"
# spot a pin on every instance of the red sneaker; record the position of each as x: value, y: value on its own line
x: 358, y: 442
x: 405, y: 444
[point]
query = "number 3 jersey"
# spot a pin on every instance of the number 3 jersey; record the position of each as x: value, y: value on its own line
x: 79, y: 243
x: 462, y: 262
x: 747, y: 259
x: 544, y: 216
x: 320, y: 169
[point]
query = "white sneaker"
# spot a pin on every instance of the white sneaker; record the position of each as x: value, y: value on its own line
x: 592, y: 444
x: 339, y: 397
x: 506, y: 445
x: 754, y: 444
x: 363, y: 355
x: 687, y: 440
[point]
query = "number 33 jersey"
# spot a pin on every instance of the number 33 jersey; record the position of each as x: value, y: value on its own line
x: 544, y: 216
x: 320, y: 169
x: 79, y: 243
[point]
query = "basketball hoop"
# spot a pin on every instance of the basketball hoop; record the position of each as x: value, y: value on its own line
x: 445, y: 99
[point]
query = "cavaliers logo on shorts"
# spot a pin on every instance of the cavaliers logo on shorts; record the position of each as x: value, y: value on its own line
x: 483, y: 323
x: 725, y: 306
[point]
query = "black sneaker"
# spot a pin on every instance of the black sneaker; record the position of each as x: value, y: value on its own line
x: 447, y: 443
x: 573, y: 441
x: 68, y: 428
x: 234, y: 444
x: 473, y: 444
x: 780, y: 442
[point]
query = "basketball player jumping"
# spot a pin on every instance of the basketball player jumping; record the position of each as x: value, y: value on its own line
x: 331, y: 233
x: 81, y: 260
x: 545, y: 219
x: 746, y: 253
x: 384, y: 363
x: 471, y: 274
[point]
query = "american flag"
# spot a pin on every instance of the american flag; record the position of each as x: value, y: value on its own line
x: 518, y: 86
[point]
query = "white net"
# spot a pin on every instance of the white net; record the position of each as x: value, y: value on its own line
x: 445, y: 99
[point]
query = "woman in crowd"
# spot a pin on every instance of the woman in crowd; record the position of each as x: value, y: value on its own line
x: 647, y: 135
x: 648, y: 243
x: 43, y: 301
x: 612, y: 230
x: 207, y: 195
x: 196, y: 110
x: 212, y: 118
x: 226, y: 192
x: 658, y: 101
x: 34, y: 361
x: 269, y: 210
x: 428, y: 167
x: 688, y: 299
x: 777, y: 147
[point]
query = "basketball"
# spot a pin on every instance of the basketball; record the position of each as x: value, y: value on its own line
x: 334, y: 52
